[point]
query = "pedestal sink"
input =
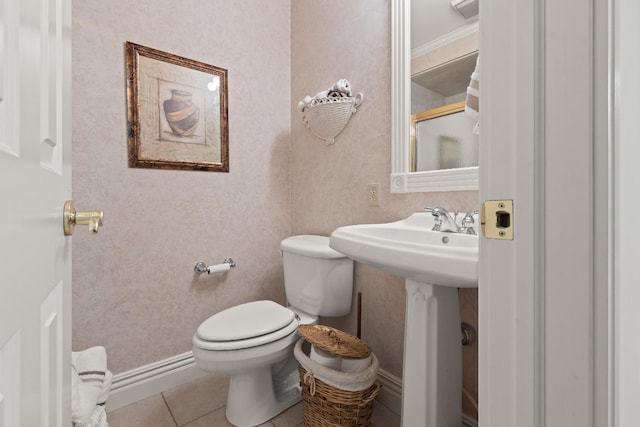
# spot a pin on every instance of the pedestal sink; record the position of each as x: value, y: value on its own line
x: 434, y: 264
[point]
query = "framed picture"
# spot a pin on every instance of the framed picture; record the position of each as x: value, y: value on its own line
x: 177, y: 112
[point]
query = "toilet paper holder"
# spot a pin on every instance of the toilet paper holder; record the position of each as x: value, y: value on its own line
x: 201, y: 267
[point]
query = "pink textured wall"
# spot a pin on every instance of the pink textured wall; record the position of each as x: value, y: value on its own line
x: 134, y: 289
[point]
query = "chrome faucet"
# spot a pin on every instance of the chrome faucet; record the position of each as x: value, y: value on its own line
x: 443, y: 220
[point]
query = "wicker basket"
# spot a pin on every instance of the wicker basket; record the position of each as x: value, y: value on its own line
x: 328, y: 406
x: 327, y: 117
x: 334, y: 341
x: 334, y: 398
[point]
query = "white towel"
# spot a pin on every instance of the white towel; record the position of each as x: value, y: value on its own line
x: 90, y: 386
x: 340, y: 89
x: 472, y: 103
x: 106, y: 388
x: 98, y: 418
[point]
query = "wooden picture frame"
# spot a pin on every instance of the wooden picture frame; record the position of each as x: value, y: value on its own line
x: 177, y: 112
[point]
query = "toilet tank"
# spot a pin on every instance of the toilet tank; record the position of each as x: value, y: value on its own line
x: 317, y: 279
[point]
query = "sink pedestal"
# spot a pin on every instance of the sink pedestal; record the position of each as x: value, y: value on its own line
x: 411, y: 248
x: 432, y: 378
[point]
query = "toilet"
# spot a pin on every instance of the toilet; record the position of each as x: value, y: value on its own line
x: 252, y: 343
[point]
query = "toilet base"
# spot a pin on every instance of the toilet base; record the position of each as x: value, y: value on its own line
x: 263, y: 380
x: 252, y: 400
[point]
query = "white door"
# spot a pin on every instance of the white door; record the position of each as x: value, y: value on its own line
x: 35, y: 181
x: 626, y: 294
x: 543, y: 315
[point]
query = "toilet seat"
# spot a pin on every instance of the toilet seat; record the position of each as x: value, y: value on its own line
x: 246, y: 325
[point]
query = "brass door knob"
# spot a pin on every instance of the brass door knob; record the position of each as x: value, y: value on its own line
x: 72, y: 218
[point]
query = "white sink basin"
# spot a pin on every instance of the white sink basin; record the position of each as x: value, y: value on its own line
x: 410, y: 249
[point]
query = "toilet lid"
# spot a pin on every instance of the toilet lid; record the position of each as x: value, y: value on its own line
x: 245, y: 321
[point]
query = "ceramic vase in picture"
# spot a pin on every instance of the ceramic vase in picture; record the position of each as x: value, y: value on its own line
x: 181, y: 113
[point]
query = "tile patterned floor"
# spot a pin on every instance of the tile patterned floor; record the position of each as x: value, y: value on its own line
x: 201, y: 403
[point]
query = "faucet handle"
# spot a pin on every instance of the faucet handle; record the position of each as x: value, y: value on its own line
x: 468, y: 221
x: 469, y: 215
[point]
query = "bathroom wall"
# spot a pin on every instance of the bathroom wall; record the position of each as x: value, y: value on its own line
x: 329, y: 183
x: 134, y: 289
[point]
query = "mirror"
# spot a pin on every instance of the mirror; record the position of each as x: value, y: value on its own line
x: 431, y: 67
x: 443, y: 138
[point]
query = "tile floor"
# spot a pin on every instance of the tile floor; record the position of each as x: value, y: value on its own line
x: 201, y: 403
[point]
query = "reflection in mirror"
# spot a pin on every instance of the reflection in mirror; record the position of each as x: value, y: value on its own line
x: 443, y: 138
x: 428, y: 73
x: 442, y: 84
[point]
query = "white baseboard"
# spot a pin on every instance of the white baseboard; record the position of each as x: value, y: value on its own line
x: 137, y: 384
x: 391, y: 392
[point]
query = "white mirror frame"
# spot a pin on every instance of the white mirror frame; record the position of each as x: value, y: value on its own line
x: 402, y: 179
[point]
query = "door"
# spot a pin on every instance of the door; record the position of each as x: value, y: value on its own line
x: 626, y: 294
x: 35, y: 181
x: 543, y: 296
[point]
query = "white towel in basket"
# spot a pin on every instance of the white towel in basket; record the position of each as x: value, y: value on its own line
x: 349, y: 381
x: 340, y: 89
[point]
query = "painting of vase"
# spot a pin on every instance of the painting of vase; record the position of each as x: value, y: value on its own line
x: 176, y: 116
x: 181, y: 113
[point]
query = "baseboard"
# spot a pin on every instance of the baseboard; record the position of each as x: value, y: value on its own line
x: 137, y: 384
x: 391, y: 392
x: 391, y: 396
